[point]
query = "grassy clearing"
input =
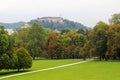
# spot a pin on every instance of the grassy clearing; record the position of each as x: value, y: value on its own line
x: 40, y: 64
x: 94, y: 70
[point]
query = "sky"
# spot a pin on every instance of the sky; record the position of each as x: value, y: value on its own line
x: 87, y: 12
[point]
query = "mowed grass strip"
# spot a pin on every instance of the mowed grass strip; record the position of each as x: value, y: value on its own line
x: 40, y: 64
x: 86, y: 71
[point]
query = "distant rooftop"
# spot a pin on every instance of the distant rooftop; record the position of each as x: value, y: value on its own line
x: 50, y: 18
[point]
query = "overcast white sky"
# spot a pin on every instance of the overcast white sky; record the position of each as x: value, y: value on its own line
x: 87, y: 12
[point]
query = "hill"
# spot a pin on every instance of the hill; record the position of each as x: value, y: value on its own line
x: 54, y: 23
x: 13, y: 26
x: 58, y: 23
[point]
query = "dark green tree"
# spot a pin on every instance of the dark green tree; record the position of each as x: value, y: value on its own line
x: 100, y: 39
x: 4, y: 40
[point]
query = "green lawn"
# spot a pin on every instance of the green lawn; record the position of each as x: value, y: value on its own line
x: 40, y: 64
x: 94, y: 70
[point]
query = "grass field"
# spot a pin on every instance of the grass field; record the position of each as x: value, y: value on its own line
x: 40, y: 64
x: 94, y: 70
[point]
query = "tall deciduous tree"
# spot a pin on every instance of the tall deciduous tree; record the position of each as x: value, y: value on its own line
x: 7, y: 59
x: 100, y: 39
x: 21, y: 38
x: 37, y: 40
x: 113, y: 41
x: 115, y: 19
x: 51, y: 45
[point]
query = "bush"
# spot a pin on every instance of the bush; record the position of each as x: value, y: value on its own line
x: 24, y: 59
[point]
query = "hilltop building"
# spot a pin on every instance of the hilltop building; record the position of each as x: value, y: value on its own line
x: 51, y: 19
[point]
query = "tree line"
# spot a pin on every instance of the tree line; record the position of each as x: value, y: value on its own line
x: 18, y: 50
x: 102, y: 41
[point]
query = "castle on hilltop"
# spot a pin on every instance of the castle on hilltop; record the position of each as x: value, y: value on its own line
x: 51, y: 19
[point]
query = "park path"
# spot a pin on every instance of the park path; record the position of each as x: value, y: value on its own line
x: 66, y: 65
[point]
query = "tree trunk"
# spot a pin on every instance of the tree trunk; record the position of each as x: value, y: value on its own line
x: 33, y: 57
x: 100, y: 57
x: 18, y: 69
x: 106, y: 58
